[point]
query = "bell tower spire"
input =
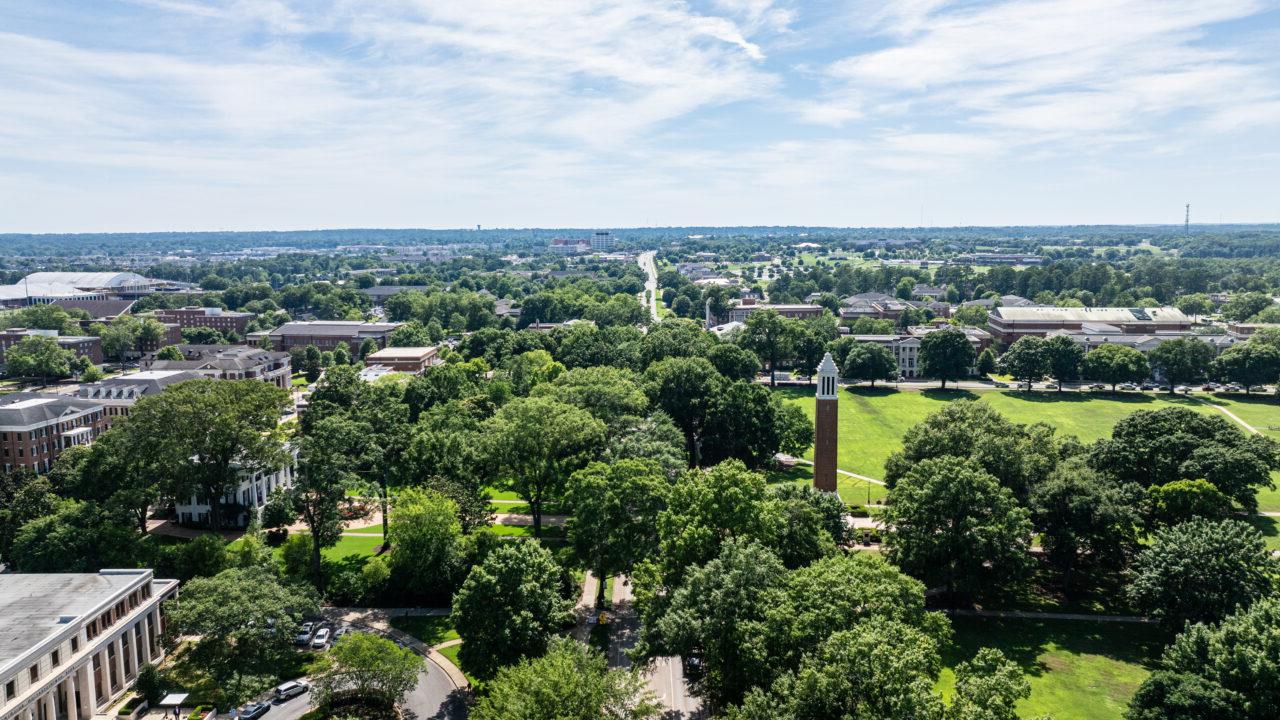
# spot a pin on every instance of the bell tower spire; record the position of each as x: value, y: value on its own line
x: 826, y: 429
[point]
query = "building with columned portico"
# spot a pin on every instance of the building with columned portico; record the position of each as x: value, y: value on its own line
x: 71, y: 644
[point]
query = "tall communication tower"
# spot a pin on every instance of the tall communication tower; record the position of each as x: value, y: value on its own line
x: 1186, y: 221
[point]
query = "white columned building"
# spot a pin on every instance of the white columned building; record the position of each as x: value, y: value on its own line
x: 71, y: 643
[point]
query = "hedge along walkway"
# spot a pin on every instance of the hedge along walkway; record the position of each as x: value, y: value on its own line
x: 379, y: 620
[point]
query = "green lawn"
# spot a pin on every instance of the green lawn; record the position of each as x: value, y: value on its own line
x: 1077, y: 670
x: 851, y: 490
x: 1269, y: 527
x: 1260, y: 411
x: 872, y: 422
x: 430, y: 629
x: 361, y: 545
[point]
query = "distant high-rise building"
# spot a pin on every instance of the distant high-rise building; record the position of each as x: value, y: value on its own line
x: 826, y: 427
x: 602, y: 241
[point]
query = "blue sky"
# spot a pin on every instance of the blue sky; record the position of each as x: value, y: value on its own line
x: 120, y: 115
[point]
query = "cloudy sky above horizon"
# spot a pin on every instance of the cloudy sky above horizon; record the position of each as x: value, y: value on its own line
x: 137, y: 115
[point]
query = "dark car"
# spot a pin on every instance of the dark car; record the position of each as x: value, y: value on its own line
x: 253, y: 711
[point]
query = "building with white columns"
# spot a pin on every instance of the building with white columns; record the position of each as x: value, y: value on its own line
x: 71, y: 643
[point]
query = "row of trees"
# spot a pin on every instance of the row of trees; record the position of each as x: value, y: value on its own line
x: 1177, y: 361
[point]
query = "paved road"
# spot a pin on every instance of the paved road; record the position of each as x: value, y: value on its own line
x: 666, y: 676
x: 651, y: 285
x: 435, y: 697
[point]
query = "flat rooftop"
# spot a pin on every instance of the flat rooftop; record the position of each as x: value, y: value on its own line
x: 35, y: 606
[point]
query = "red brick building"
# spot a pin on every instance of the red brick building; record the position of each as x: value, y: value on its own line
x: 82, y: 345
x: 224, y: 321
x: 325, y: 334
x: 36, y: 427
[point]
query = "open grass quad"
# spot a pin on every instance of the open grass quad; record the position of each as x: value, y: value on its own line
x: 1077, y: 670
x: 873, y: 420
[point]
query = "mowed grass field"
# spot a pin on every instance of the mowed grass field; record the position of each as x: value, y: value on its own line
x: 873, y: 421
x: 1077, y: 670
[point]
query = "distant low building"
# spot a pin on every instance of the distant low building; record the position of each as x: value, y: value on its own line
x: 1010, y: 323
x: 228, y: 362
x: 1244, y: 330
x: 1002, y: 301
x: 88, y: 346
x: 224, y: 321
x: 119, y: 394
x: 103, y: 311
x: 36, y: 427
x: 989, y: 258
x: 922, y: 291
x: 739, y: 311
x: 405, y: 359
x: 905, y: 346
x: 326, y: 334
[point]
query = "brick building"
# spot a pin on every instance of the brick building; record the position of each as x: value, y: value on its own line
x: 82, y: 345
x: 36, y: 427
x: 325, y: 334
x: 905, y: 346
x: 224, y: 321
x: 404, y: 359
x: 1008, y: 324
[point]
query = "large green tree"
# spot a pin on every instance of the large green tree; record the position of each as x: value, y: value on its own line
x: 1248, y: 363
x: 946, y: 355
x: 245, y: 620
x: 329, y: 455
x: 372, y: 668
x: 537, y: 443
x: 1181, y: 361
x: 508, y: 608
x: 869, y: 361
x: 38, y: 356
x: 770, y: 336
x: 950, y: 522
x: 685, y: 388
x: 1026, y: 360
x: 204, y: 435
x: 1064, y: 357
x: 1226, y: 671
x: 427, y: 540
x: 1084, y: 517
x: 570, y: 682
x: 1114, y: 364
x: 715, y: 617
x: 615, y: 509
x: 1202, y: 571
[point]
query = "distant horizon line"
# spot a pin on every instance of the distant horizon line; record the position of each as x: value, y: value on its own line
x: 1202, y: 225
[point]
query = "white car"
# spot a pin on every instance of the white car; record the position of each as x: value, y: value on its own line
x: 321, y: 639
x: 293, y: 688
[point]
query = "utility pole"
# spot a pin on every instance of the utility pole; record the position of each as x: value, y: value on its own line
x: 1186, y: 221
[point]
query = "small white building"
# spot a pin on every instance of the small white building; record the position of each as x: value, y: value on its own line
x: 71, y: 644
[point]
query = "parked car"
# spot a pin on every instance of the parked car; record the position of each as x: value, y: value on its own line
x: 321, y: 639
x: 253, y: 711
x: 304, y: 635
x: 1097, y: 386
x: 1233, y: 388
x: 1128, y: 386
x: 1050, y: 386
x: 1182, y: 389
x: 293, y: 688
x: 1001, y: 384
x: 1149, y: 386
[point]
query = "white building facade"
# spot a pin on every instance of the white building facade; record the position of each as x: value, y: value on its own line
x: 72, y: 644
x: 242, y: 504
